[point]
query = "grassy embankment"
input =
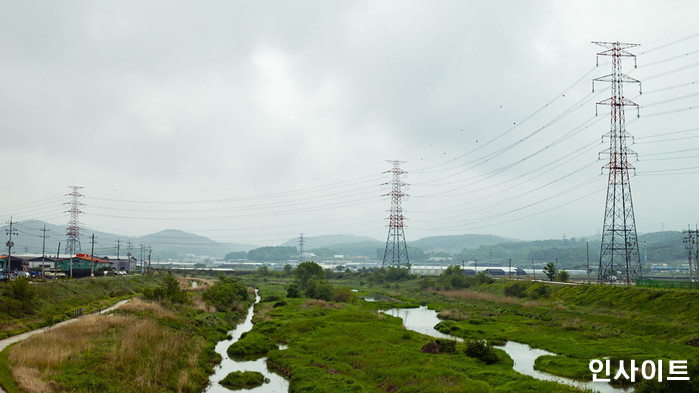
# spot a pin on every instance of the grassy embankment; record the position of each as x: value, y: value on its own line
x: 55, y: 301
x: 155, y: 346
x: 579, y: 323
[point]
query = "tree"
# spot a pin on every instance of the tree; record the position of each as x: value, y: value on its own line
x: 306, y: 271
x: 562, y: 276
x: 235, y: 255
x: 288, y: 269
x: 226, y: 294
x: 550, y: 271
x: 293, y: 290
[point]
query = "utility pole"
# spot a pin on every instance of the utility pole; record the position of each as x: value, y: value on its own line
x: 150, y: 250
x: 43, y: 250
x: 587, y: 245
x: 509, y: 274
x: 619, y: 256
x: 141, y: 257
x: 118, y: 246
x: 92, y: 257
x: 476, y: 271
x: 396, y: 250
x: 9, y: 244
x: 533, y: 271
x: 689, y: 241
x: 128, y: 255
x: 696, y: 250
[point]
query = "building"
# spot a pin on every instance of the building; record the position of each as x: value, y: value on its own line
x: 82, y: 264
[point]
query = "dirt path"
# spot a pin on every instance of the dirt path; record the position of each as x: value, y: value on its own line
x: 14, y: 339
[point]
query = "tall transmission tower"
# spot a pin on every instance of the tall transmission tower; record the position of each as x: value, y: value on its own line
x: 301, y: 247
x: 691, y: 244
x: 396, y: 251
x: 73, y: 229
x: 619, y: 256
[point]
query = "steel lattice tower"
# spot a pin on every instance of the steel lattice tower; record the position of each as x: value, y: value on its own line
x: 73, y: 229
x: 620, y: 260
x: 396, y: 251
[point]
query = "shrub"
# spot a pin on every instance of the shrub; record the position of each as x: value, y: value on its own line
x: 562, y: 276
x: 483, y: 278
x: 168, y: 290
x: 20, y: 296
x: 319, y: 289
x: 538, y: 291
x: 446, y: 345
x: 243, y: 380
x: 293, y: 291
x: 225, y: 294
x: 342, y: 295
x: 515, y: 289
x: 482, y: 350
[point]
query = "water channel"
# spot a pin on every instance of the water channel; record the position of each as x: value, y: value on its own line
x: 423, y: 320
x: 276, y: 382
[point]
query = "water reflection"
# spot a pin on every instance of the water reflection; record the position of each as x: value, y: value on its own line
x: 276, y: 382
x: 423, y: 320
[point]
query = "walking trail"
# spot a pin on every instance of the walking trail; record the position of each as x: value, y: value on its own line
x: 14, y: 339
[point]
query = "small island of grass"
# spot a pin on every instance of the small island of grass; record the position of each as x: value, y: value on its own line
x: 243, y: 380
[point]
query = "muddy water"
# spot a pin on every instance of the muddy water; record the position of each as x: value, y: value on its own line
x: 423, y: 320
x: 276, y: 383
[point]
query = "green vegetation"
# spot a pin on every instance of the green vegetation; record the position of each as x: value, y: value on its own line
x: 169, y: 290
x: 156, y: 346
x: 19, y: 298
x: 272, y: 253
x: 350, y: 347
x: 243, y: 380
x: 550, y: 271
x: 481, y: 350
x: 233, y: 255
x: 55, y: 301
x: 226, y: 294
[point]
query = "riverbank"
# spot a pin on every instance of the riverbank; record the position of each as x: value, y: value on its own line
x: 45, y: 303
x: 165, y: 344
x: 578, y: 323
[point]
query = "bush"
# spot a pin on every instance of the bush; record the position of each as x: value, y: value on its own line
x: 446, y: 345
x: 20, y: 296
x: 243, y: 380
x: 343, y: 295
x: 319, y: 289
x: 169, y: 290
x: 562, y: 276
x: 482, y: 350
x: 226, y: 294
x: 538, y: 291
x: 516, y: 289
x: 483, y: 278
x: 293, y: 291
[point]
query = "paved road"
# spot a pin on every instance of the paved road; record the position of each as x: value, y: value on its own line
x: 14, y: 339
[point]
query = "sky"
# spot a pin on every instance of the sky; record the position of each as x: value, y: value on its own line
x: 252, y: 122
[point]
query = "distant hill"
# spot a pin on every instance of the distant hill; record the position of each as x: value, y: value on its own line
x: 329, y: 241
x: 365, y: 248
x: 661, y: 247
x: 456, y: 243
x: 170, y: 243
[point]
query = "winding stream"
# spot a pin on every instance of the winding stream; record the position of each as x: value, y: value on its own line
x: 276, y: 382
x: 423, y: 320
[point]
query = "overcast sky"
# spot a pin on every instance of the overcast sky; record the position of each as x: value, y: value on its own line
x: 251, y: 122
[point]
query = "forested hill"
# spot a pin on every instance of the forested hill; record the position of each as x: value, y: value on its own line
x: 661, y: 247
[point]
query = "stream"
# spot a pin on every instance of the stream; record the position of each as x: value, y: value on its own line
x: 276, y: 382
x: 423, y: 320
